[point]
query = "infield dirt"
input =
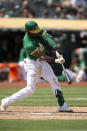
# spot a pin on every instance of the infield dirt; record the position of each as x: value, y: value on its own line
x: 6, y: 84
x: 42, y: 113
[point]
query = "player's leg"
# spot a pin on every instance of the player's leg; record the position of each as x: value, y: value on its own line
x: 32, y: 79
x: 24, y: 74
x: 48, y: 74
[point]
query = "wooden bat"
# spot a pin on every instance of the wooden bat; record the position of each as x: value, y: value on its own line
x: 65, y: 72
x: 67, y: 75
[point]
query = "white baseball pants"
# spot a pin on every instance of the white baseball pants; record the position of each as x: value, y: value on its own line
x: 35, y: 70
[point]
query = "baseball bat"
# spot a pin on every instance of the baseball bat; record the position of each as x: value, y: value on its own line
x: 66, y: 74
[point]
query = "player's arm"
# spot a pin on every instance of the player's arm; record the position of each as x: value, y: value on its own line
x: 50, y: 40
x: 39, y: 54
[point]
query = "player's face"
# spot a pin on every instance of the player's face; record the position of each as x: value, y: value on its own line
x: 32, y: 34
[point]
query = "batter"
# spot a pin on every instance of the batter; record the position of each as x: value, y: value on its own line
x: 36, y: 42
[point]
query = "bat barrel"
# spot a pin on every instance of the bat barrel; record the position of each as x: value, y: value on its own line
x: 66, y: 74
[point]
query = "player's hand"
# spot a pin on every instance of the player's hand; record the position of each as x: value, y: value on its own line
x: 41, y: 47
x: 58, y: 55
x: 60, y: 60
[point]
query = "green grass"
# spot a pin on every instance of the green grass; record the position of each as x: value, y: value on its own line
x: 43, y: 125
x: 44, y: 97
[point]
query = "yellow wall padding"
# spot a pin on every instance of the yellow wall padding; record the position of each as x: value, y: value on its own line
x: 45, y: 23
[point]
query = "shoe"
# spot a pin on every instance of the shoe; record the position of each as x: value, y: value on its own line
x: 65, y: 109
x: 4, y: 105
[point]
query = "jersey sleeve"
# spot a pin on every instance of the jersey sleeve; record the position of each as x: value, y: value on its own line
x: 48, y: 38
x: 28, y: 47
x: 22, y: 54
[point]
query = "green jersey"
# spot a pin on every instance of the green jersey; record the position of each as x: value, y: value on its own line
x: 32, y: 43
x: 22, y: 55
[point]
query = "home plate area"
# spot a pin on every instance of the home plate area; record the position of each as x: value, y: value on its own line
x: 42, y: 113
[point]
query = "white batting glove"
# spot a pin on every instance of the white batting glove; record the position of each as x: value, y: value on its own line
x: 61, y: 60
x: 58, y: 55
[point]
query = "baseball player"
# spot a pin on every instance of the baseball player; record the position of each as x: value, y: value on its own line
x: 36, y: 42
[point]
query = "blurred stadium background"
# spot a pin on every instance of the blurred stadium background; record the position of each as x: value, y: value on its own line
x: 65, y: 20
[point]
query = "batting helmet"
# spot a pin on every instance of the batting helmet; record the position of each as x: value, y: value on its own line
x: 32, y: 27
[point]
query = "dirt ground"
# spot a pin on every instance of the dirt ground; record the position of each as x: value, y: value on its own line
x: 39, y: 85
x: 41, y: 113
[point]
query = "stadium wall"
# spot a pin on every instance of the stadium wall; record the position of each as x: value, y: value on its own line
x: 52, y: 24
x: 12, y: 33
